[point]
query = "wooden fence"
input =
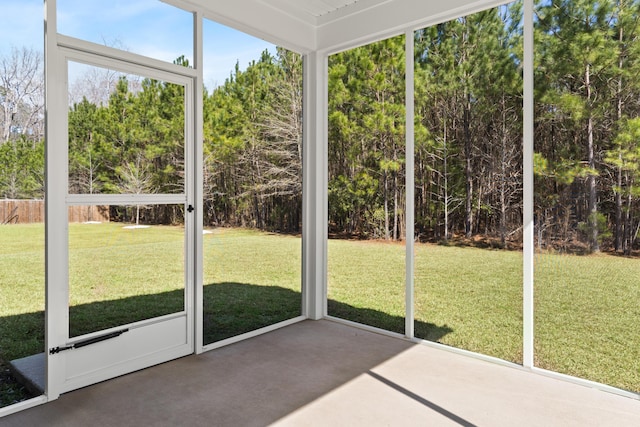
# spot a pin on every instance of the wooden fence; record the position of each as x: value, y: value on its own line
x: 31, y: 211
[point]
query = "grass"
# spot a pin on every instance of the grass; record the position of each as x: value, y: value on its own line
x: 475, y: 292
x: 586, y: 306
x: 464, y: 297
x: 10, y: 390
x: 366, y: 283
x: 143, y: 269
x: 252, y: 280
x: 587, y: 313
x: 21, y: 302
x: 21, y: 290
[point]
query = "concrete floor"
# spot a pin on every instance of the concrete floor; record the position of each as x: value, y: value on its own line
x: 328, y: 374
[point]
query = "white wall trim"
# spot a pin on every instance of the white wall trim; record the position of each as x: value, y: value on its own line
x: 586, y: 383
x: 315, y: 182
x: 258, y: 20
x: 56, y: 223
x: 252, y: 334
x: 198, y: 190
x: 368, y: 328
x: 528, y: 190
x: 409, y: 183
x: 96, y: 54
x: 392, y: 19
x: 21, y: 406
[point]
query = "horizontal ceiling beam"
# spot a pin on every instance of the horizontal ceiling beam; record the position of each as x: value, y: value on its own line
x: 355, y: 24
x: 393, y: 18
x: 257, y: 19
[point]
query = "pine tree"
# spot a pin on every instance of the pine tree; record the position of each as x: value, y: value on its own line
x: 578, y: 53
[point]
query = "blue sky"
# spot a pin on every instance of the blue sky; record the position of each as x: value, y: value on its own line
x: 147, y: 27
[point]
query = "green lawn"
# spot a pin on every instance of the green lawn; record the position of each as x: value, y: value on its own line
x: 464, y: 297
x: 119, y: 275
x: 251, y: 280
x: 477, y: 293
x: 587, y: 314
x: 586, y: 306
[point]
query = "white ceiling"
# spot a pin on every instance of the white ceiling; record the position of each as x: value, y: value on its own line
x: 330, y: 25
x: 319, y: 12
x: 313, y: 8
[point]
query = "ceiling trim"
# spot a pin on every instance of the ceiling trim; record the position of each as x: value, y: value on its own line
x: 287, y: 24
x: 263, y: 22
x: 347, y: 11
x: 392, y: 18
x: 317, y: 16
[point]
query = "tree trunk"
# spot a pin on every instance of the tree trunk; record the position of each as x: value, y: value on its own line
x: 467, y: 168
x: 503, y: 182
x: 628, y: 232
x: 386, y: 207
x: 591, y: 180
x: 618, y: 193
x: 619, y: 236
x: 445, y: 161
x: 395, y: 206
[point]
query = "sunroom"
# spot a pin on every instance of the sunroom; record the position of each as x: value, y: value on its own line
x: 185, y: 179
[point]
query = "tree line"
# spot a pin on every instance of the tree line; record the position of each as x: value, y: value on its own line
x: 468, y: 137
x: 21, y: 125
x: 468, y: 121
x: 127, y: 133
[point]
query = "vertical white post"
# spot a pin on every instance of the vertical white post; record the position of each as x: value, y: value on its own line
x: 409, y: 184
x: 314, y: 186
x: 198, y: 182
x: 527, y: 152
x: 56, y: 274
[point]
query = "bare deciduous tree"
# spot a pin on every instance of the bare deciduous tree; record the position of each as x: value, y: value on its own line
x: 282, y: 158
x: 135, y: 178
x: 21, y: 95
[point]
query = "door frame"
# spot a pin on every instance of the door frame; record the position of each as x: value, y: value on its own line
x: 58, y: 55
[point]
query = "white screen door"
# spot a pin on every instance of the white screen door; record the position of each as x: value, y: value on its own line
x: 124, y: 288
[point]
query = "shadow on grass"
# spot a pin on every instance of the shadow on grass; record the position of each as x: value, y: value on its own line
x: 230, y: 309
x: 382, y: 320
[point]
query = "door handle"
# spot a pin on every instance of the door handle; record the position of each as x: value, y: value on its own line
x: 190, y: 208
x: 88, y: 341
